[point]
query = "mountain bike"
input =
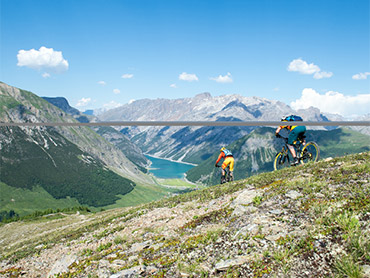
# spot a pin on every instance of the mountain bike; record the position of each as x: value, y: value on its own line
x: 227, y: 177
x: 306, y: 153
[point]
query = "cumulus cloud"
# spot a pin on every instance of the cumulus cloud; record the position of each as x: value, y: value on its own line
x: 102, y: 83
x: 45, y: 58
x: 83, y: 102
x: 361, y: 76
x: 173, y: 86
x: 188, y: 77
x: 116, y: 91
x: 127, y: 76
x: 301, y: 66
x: 223, y: 79
x: 46, y: 75
x: 110, y: 105
x: 333, y: 102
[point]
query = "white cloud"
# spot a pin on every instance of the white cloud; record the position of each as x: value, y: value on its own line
x: 223, y: 79
x: 333, y: 102
x: 102, y: 83
x: 44, y: 58
x: 188, y: 77
x: 112, y: 104
x: 322, y: 74
x: 116, y: 91
x: 361, y: 76
x: 173, y: 86
x: 83, y: 102
x: 301, y: 66
x: 46, y: 75
x: 127, y: 76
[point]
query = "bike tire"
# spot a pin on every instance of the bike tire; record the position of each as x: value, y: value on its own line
x: 310, y: 153
x: 281, y: 161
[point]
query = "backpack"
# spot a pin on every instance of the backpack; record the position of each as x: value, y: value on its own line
x: 227, y: 152
x: 293, y: 118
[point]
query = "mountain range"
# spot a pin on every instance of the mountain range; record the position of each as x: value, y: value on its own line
x: 195, y: 144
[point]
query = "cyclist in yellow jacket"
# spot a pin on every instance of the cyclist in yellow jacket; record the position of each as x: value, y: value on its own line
x: 228, y: 161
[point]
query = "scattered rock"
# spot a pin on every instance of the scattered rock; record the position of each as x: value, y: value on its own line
x: 62, y: 265
x: 224, y: 265
x: 137, y: 247
x: 366, y: 271
x: 244, y: 198
x: 292, y: 194
x: 129, y: 273
x: 276, y: 211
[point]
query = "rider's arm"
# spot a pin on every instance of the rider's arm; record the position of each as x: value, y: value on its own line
x: 222, y: 154
x: 278, y: 130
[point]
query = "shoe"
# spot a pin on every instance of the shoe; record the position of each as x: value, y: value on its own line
x: 295, y: 162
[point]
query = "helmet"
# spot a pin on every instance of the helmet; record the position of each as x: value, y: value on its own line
x: 222, y: 149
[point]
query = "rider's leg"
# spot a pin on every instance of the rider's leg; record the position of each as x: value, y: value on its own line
x: 224, y: 166
x: 292, y: 150
x: 230, y: 162
x: 294, y: 154
x: 223, y: 174
x: 292, y: 138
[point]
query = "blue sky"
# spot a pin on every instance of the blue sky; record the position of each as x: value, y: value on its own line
x: 104, y: 53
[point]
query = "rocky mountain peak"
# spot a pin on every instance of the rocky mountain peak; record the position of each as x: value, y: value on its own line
x: 203, y: 96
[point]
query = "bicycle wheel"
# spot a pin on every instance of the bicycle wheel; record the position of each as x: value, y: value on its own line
x: 281, y: 161
x: 310, y: 153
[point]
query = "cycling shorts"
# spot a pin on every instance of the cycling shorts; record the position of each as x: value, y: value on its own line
x: 295, y: 133
x: 229, y: 161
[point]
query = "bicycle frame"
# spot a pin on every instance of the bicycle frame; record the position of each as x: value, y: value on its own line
x: 297, y: 147
x: 285, y: 156
x: 227, y: 176
x: 304, y: 153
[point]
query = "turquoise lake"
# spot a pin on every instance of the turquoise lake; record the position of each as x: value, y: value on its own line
x: 165, y: 169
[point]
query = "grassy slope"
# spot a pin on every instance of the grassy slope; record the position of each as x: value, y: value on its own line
x: 145, y: 193
x: 26, y: 201
x: 333, y: 206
